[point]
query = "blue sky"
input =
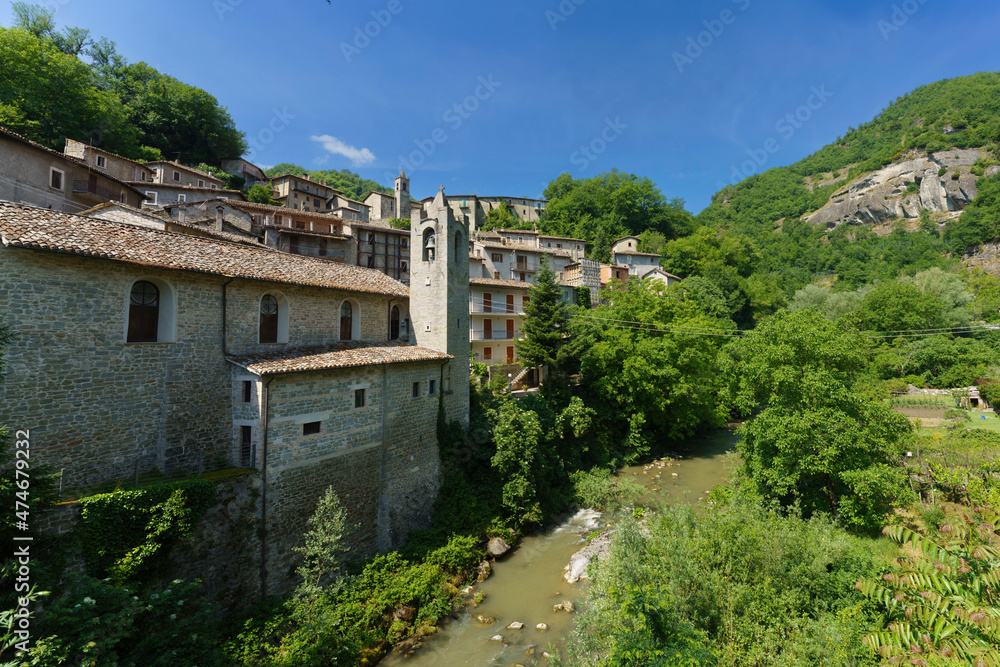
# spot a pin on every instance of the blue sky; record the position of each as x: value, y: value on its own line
x: 500, y: 98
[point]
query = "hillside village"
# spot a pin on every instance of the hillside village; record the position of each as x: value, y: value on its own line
x: 259, y: 415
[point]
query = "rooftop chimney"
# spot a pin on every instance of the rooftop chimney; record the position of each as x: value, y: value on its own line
x: 218, y: 218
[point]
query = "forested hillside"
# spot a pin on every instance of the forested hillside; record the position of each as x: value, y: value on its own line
x: 956, y: 113
x: 49, y: 93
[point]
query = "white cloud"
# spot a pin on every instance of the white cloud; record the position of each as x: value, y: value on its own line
x: 358, y: 156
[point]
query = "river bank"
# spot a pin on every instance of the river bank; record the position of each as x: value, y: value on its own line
x: 528, y: 583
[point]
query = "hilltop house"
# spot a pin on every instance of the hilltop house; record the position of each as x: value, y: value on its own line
x: 175, y: 183
x: 301, y: 193
x: 33, y: 174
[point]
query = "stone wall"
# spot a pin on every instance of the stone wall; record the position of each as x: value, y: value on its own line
x: 381, y: 459
x: 96, y: 404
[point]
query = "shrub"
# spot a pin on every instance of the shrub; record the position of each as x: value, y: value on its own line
x: 126, y: 533
x: 598, y: 489
x: 98, y: 624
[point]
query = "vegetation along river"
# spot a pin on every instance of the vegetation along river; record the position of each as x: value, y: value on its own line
x: 527, y: 584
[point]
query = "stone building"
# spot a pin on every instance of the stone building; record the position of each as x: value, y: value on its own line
x: 248, y: 171
x: 379, y: 246
x: 116, y: 166
x: 385, y: 207
x: 439, y: 295
x: 347, y: 208
x: 624, y: 252
x: 181, y: 353
x: 33, y: 174
x: 302, y: 193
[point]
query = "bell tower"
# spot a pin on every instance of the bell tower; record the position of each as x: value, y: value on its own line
x: 402, y: 195
x: 439, y: 297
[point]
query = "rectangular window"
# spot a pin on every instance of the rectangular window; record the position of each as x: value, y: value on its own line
x: 201, y: 183
x: 247, y: 391
x: 496, y: 257
x: 177, y: 176
x: 487, y: 354
x: 151, y: 196
x: 246, y: 445
x: 182, y: 198
x: 55, y: 178
x: 102, y: 161
x: 403, y: 265
x: 416, y: 390
x: 359, y: 398
x: 526, y: 301
x: 371, y: 239
x: 510, y: 303
x: 487, y: 303
x: 312, y: 428
x: 371, y: 261
x: 432, y: 387
x: 123, y: 198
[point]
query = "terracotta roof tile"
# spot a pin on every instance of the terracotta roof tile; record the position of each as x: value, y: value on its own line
x: 185, y: 167
x: 146, y: 185
x: 349, y: 354
x: 491, y: 282
x: 41, y: 229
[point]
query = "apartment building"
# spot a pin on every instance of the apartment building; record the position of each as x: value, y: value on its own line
x: 496, y: 309
x: 379, y: 246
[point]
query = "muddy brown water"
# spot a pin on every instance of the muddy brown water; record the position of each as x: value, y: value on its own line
x: 526, y: 584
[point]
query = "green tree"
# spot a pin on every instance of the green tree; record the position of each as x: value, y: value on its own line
x: 261, y: 194
x: 519, y: 460
x: 893, y: 306
x: 62, y: 103
x: 544, y: 331
x: 651, y: 368
x: 817, y: 441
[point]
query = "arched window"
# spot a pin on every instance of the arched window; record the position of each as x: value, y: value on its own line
x: 429, y: 245
x: 346, y: 321
x: 394, y: 323
x: 268, y: 319
x: 143, y: 312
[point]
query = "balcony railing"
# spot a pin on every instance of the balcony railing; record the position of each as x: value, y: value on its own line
x: 86, y: 187
x: 495, y: 309
x: 479, y: 336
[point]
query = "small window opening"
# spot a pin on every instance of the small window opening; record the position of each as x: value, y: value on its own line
x: 247, y: 391
x: 359, y: 398
x: 312, y: 428
x: 246, y: 446
x: 431, y: 387
x: 416, y: 390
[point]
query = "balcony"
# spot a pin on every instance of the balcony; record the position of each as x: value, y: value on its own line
x: 479, y: 337
x: 92, y: 188
x: 495, y: 309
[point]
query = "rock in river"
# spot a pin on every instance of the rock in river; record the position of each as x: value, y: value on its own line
x: 498, y: 547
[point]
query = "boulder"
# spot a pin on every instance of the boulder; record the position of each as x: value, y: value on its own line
x: 498, y: 547
x: 598, y: 547
x: 497, y: 638
x: 404, y: 613
x: 542, y: 626
x: 516, y: 625
x: 486, y: 620
x: 484, y: 571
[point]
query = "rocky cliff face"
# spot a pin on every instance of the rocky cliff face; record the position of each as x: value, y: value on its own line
x: 942, y: 181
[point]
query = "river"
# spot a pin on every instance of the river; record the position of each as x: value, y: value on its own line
x: 526, y: 585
